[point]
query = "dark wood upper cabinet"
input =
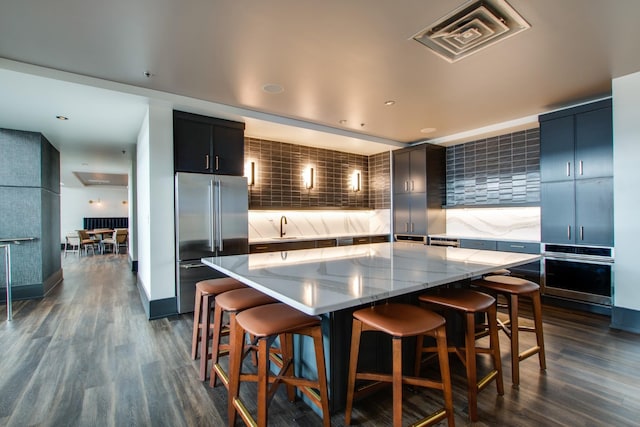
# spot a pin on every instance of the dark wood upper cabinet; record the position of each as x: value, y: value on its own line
x: 207, y: 145
x: 577, y: 143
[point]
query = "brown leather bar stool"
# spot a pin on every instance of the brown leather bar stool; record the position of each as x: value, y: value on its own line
x: 265, y: 323
x: 400, y: 321
x: 469, y: 303
x: 206, y: 290
x: 231, y: 302
x: 512, y: 288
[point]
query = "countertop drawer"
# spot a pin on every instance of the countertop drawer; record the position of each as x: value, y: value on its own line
x: 487, y: 245
x: 525, y: 248
x: 326, y: 243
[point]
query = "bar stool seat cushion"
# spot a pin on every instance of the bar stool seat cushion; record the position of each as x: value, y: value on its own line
x: 512, y: 285
x: 400, y: 320
x: 460, y: 299
x: 241, y: 299
x: 274, y: 319
x: 217, y: 286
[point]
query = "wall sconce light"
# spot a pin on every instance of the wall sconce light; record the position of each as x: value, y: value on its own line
x: 307, y: 178
x: 355, y: 181
x: 250, y: 173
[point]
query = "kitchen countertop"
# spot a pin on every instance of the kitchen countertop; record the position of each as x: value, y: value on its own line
x: 318, y: 281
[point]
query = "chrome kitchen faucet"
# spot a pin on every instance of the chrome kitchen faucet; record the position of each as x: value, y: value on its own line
x: 283, y: 220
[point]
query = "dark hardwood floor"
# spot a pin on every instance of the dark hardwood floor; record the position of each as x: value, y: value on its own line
x: 86, y: 355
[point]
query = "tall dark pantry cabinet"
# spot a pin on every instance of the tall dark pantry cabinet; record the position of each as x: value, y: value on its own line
x: 419, y: 192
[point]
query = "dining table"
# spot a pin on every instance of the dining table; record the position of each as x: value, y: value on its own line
x: 98, y: 235
x: 333, y: 282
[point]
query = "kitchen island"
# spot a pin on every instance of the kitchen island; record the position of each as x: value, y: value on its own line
x: 335, y: 281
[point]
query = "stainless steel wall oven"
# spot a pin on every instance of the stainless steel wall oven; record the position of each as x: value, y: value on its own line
x: 580, y: 273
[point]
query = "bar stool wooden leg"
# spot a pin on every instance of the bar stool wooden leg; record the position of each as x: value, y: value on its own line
x: 215, y: 346
x: 322, y: 373
x: 445, y: 375
x: 356, y: 331
x: 397, y: 380
x: 494, y: 344
x: 470, y: 362
x: 537, y: 318
x: 236, y: 343
x: 196, y: 325
x: 263, y: 381
x: 515, y: 341
x: 205, y: 317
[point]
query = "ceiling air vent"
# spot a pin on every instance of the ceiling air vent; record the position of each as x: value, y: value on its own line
x: 470, y: 28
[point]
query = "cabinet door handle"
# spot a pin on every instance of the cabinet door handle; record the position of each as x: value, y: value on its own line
x: 568, y: 168
x: 406, y: 227
x: 581, y: 232
x: 412, y: 185
x: 217, y: 163
x: 412, y: 228
x: 580, y: 167
x: 406, y: 186
x: 206, y: 161
x: 568, y: 232
x: 517, y: 246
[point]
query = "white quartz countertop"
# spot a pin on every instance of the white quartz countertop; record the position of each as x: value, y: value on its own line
x: 318, y: 281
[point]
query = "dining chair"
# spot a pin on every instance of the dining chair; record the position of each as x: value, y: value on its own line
x: 86, y: 242
x: 121, y: 237
x: 72, y: 243
x: 109, y: 241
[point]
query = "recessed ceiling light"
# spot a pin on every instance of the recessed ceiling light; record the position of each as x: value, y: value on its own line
x: 427, y: 130
x: 272, y: 88
x: 62, y: 118
x: 389, y: 103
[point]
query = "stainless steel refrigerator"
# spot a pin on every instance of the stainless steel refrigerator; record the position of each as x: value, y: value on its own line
x: 211, y: 220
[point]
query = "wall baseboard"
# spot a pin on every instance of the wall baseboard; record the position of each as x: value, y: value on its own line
x: 156, y: 309
x: 625, y: 319
x: 52, y: 281
x: 21, y: 292
x: 35, y: 291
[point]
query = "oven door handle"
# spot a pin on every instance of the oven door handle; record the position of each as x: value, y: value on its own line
x: 585, y: 260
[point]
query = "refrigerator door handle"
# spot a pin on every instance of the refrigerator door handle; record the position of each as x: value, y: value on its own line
x: 189, y: 266
x: 219, y: 215
x: 212, y: 217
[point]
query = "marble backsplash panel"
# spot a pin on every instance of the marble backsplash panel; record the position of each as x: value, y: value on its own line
x: 265, y: 224
x: 521, y: 223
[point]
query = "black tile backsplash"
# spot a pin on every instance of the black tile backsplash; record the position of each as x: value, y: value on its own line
x: 501, y: 170
x: 278, y: 182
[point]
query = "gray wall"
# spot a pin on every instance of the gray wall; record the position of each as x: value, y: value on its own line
x: 30, y: 207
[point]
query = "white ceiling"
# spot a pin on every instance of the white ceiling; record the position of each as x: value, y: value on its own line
x: 337, y: 60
